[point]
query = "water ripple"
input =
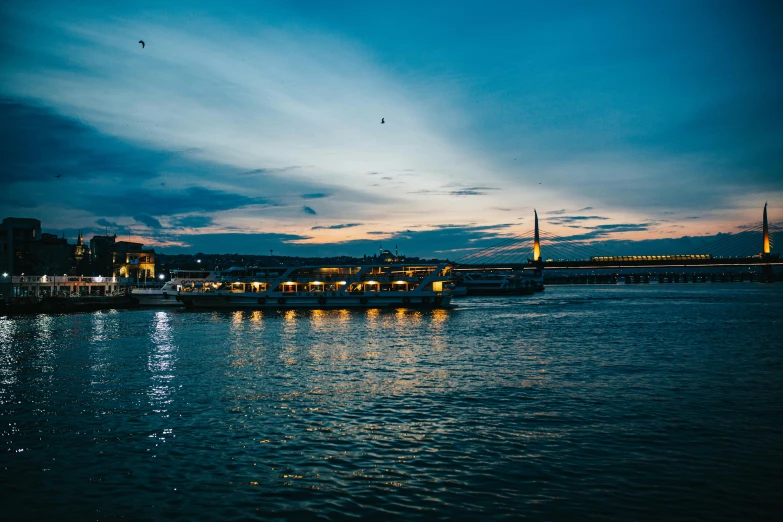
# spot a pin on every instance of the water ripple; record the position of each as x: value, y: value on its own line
x: 612, y: 403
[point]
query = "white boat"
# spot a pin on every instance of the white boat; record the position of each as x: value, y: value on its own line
x: 310, y: 287
x: 181, y: 280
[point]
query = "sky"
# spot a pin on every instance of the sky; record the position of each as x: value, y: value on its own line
x: 255, y: 126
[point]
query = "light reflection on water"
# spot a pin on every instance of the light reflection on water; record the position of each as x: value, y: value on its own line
x: 549, y: 406
x: 161, y: 363
x: 9, y: 355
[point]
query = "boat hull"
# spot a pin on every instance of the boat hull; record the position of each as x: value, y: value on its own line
x: 157, y: 299
x: 65, y: 305
x: 270, y: 302
x: 501, y: 291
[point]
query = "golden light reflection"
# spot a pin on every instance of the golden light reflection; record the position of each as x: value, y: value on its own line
x: 256, y: 316
x: 439, y: 315
x: 372, y: 315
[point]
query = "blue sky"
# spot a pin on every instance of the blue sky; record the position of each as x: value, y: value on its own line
x: 255, y: 126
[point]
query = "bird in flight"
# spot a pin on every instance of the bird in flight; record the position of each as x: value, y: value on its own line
x: 383, y: 120
x: 142, y: 43
x: 58, y: 175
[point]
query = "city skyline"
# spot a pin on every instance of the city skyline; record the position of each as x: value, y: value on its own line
x: 257, y: 126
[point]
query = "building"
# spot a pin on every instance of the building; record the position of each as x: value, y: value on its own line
x: 51, y: 255
x: 17, y: 235
x: 101, y: 248
x: 130, y: 260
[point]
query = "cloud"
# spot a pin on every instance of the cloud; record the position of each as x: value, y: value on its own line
x: 599, y: 231
x: 622, y: 227
x: 168, y: 203
x: 243, y: 243
x: 308, y: 210
x: 217, y: 99
x: 73, y: 150
x: 110, y: 224
x: 556, y: 212
x: 277, y: 170
x: 148, y: 220
x: 467, y: 191
x: 232, y: 98
x: 337, y: 227
x: 193, y: 221
x: 562, y: 220
x: 315, y: 195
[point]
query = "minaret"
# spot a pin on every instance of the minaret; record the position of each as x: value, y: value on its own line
x: 766, y: 233
x: 536, y: 242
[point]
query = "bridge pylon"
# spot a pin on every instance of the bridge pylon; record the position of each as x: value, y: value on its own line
x: 766, y: 255
x: 537, y: 242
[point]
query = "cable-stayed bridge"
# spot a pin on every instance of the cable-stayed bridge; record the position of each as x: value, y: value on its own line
x: 539, y: 249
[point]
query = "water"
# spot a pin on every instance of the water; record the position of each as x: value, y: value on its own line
x: 616, y: 403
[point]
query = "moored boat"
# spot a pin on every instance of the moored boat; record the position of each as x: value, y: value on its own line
x: 500, y: 282
x: 311, y: 287
x: 166, y: 295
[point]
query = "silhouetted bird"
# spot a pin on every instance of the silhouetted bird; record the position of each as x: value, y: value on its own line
x: 142, y: 43
x: 58, y: 175
x: 383, y: 120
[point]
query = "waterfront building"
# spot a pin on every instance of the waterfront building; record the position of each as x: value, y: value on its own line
x: 133, y: 262
x: 62, y: 285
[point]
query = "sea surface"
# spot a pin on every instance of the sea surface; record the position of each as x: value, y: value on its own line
x: 646, y: 402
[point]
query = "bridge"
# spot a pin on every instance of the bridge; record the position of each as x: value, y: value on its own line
x: 540, y: 250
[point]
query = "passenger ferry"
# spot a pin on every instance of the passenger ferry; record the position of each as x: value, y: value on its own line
x: 367, y: 286
x: 181, y: 280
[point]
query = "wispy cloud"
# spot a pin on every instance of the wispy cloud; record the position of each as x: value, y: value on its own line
x: 337, y: 227
x: 193, y: 221
x: 308, y: 210
x: 563, y: 220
